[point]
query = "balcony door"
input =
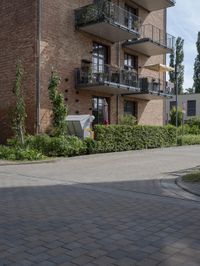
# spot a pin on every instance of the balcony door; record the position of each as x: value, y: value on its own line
x: 99, y: 60
x: 100, y: 110
x: 130, y: 16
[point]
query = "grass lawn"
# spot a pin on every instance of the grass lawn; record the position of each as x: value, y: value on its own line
x: 193, y: 177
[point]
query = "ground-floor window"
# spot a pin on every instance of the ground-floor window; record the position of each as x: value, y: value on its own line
x: 100, y: 110
x: 191, y: 108
x: 131, y: 108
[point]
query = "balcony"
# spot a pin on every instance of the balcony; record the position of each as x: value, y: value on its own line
x: 108, y: 21
x: 152, y: 41
x: 153, y: 5
x: 116, y: 81
x: 109, y: 80
x: 153, y: 88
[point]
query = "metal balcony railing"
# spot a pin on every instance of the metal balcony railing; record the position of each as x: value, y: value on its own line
x: 105, y: 11
x: 107, y: 75
x: 111, y: 76
x: 157, y: 35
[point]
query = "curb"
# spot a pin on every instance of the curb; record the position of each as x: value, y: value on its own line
x: 12, y: 163
x: 183, y: 186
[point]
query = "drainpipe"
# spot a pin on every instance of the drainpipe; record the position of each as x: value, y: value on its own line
x: 38, y: 89
x: 164, y: 74
x: 119, y: 64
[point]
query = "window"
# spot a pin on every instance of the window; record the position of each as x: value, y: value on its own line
x: 99, y: 110
x: 130, y: 62
x: 131, y: 108
x: 191, y: 108
x: 172, y: 105
x: 99, y: 57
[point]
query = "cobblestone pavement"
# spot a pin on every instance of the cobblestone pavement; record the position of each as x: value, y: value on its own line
x: 108, y: 209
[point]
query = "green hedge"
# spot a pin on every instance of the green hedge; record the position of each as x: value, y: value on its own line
x: 16, y: 153
x: 124, y: 138
x: 188, y: 130
x: 56, y: 146
x: 111, y: 138
x: 189, y: 140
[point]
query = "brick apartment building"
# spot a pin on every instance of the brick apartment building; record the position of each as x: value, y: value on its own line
x: 100, y: 50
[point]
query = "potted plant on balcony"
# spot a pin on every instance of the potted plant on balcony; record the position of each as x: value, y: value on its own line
x: 136, y: 25
x: 90, y: 74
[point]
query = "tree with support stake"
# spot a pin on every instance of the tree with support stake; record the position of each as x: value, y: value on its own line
x: 176, y: 61
x: 19, y: 112
x: 196, y: 76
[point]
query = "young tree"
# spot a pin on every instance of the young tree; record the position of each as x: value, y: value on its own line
x: 19, y: 112
x: 190, y: 90
x: 172, y: 64
x: 59, y: 108
x: 176, y: 61
x: 196, y: 76
x: 173, y: 116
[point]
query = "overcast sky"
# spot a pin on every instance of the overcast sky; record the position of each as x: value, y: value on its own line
x: 184, y: 21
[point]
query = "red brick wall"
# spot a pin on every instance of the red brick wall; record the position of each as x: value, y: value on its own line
x: 63, y: 48
x: 17, y: 42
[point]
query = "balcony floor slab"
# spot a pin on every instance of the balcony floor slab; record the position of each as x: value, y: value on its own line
x: 155, y: 4
x: 112, y: 32
x: 110, y: 88
x: 148, y: 47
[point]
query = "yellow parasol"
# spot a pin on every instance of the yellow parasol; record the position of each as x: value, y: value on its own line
x: 160, y: 68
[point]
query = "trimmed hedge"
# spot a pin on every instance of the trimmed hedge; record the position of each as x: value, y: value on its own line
x: 111, y: 138
x: 115, y: 138
x: 189, y: 140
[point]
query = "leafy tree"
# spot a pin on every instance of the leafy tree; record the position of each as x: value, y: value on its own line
x: 190, y: 90
x: 173, y: 116
x: 176, y: 61
x: 59, y: 107
x: 19, y: 112
x: 196, y: 76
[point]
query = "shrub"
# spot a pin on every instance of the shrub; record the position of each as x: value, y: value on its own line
x: 56, y: 146
x: 188, y: 130
x: 194, y: 122
x: 13, y: 153
x: 173, y: 116
x: 123, y: 138
x: 188, y: 140
x: 128, y: 120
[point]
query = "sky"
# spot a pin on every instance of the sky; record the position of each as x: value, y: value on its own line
x: 184, y: 21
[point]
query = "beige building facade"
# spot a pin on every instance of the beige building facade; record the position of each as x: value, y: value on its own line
x: 101, y: 50
x: 189, y: 103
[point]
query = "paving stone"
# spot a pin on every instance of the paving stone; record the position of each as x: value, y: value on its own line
x: 99, y: 210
